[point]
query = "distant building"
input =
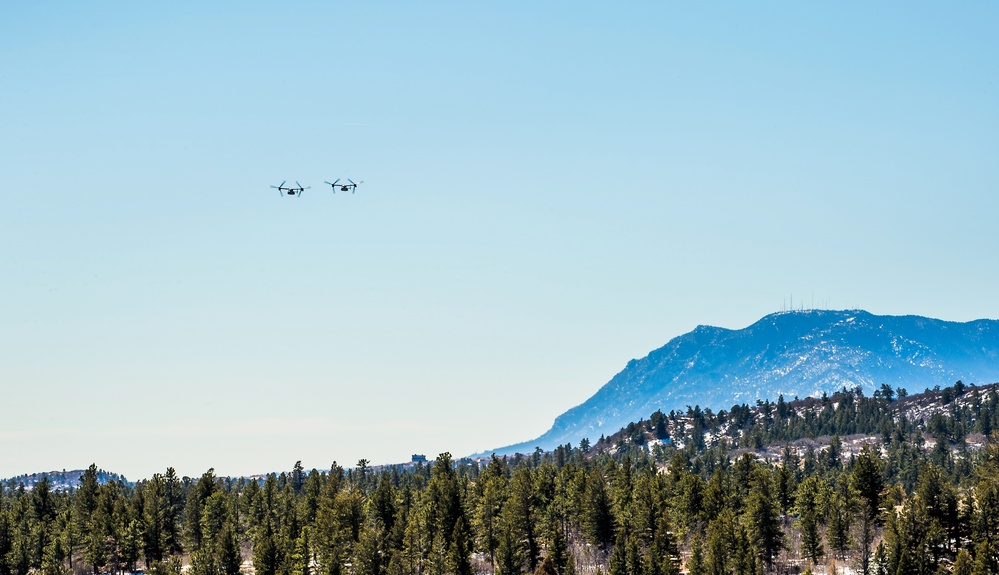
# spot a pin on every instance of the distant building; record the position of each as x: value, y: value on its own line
x: 419, y: 458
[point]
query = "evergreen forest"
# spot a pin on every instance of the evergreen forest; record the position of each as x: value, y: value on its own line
x: 890, y: 484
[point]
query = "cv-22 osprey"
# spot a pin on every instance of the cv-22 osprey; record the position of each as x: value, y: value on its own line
x: 351, y: 187
x: 291, y: 190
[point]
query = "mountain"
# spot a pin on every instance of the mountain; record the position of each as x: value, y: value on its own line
x: 801, y: 353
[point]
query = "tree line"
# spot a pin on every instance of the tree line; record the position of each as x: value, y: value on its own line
x: 658, y: 504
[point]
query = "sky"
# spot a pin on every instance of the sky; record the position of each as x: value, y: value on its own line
x: 549, y: 191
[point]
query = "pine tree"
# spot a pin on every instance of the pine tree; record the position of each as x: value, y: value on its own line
x: 763, y: 516
x: 963, y: 564
x: 445, y: 506
x: 267, y: 554
x: 382, y: 504
x: 986, y: 519
x: 619, y: 557
x: 598, y: 521
x: 744, y: 554
x: 202, y: 490
x: 171, y: 511
x: 366, y: 555
x: 297, y: 478
x: 985, y: 559
x: 460, y: 550
x: 807, y: 503
x: 688, y: 504
x: 331, y: 537
x: 664, y: 548
x: 523, y: 509
x: 130, y: 545
x: 868, y: 481
x: 151, y: 493
x: 696, y: 564
x: 509, y: 556
x: 635, y: 564
x: 492, y: 493
x: 880, y: 565
x: 85, y: 501
x: 721, y: 537
x: 787, y: 479
x: 839, y: 511
x: 230, y: 556
x: 6, y: 539
x: 719, y: 494
x: 558, y: 550
x: 938, y: 500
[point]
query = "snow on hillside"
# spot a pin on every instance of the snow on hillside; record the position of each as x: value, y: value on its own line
x: 797, y: 354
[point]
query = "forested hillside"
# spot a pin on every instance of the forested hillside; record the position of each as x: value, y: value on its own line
x: 877, y: 484
x: 61, y: 480
x: 804, y: 353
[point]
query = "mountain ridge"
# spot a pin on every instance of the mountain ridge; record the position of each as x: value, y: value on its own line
x: 798, y: 353
x: 61, y: 480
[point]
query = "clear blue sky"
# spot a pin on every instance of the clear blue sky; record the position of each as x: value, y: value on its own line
x: 550, y: 190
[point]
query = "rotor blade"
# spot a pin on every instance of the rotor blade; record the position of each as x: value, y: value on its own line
x: 351, y: 181
x: 282, y: 183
